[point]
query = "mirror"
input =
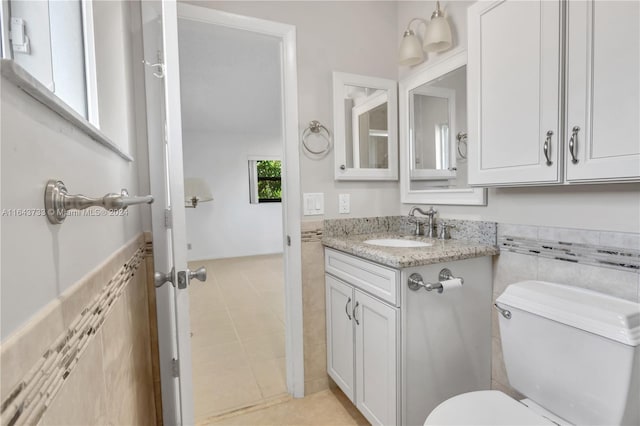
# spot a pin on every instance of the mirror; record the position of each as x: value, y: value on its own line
x: 432, y: 109
x: 433, y: 121
x: 365, y: 127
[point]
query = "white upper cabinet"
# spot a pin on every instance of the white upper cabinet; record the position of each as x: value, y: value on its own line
x: 514, y: 94
x: 603, y: 91
x: 523, y: 71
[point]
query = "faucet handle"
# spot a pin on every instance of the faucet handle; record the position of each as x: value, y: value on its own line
x: 444, y: 231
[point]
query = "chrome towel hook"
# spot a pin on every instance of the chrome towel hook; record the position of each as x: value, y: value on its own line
x: 57, y: 201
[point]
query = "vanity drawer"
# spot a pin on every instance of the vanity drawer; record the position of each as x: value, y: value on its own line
x: 375, y: 279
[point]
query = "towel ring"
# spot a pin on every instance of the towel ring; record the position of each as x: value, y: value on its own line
x: 461, y: 138
x: 316, y: 128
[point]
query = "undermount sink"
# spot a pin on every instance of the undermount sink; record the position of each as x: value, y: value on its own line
x: 397, y: 242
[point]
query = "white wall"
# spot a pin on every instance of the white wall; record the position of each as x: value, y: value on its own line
x: 40, y: 260
x: 611, y: 207
x: 349, y: 36
x: 231, y: 109
x: 229, y: 226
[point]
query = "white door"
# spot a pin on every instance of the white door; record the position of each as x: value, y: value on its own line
x: 160, y: 29
x: 376, y: 330
x: 339, y: 300
x: 513, y: 76
x: 603, y: 88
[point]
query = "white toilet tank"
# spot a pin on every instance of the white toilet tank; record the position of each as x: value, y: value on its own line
x: 575, y: 352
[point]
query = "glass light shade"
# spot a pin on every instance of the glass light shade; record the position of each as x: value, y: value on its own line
x: 410, y: 49
x: 438, y: 35
x: 196, y: 189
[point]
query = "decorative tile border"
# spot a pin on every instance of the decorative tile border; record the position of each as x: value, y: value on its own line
x: 311, y: 236
x: 29, y: 399
x: 624, y: 259
x: 477, y: 231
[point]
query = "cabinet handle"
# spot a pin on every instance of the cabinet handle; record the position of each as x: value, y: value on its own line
x: 355, y: 313
x: 346, y: 309
x: 573, y: 144
x: 547, y: 147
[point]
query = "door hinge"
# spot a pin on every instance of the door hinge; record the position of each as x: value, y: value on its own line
x: 288, y: 240
x: 168, y: 218
x: 175, y: 368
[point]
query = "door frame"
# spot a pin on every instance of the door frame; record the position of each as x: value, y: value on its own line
x: 292, y: 252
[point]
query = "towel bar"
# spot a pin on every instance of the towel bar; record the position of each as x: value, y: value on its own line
x: 57, y: 201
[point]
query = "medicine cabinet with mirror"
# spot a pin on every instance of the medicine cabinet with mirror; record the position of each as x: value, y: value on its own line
x: 65, y: 55
x: 365, y: 127
x: 433, y: 124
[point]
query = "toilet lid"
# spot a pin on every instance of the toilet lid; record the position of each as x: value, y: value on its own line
x: 484, y: 408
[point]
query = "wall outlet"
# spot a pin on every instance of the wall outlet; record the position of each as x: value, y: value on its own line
x: 344, y: 203
x: 313, y: 203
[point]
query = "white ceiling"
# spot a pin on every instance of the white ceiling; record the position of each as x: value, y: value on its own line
x: 229, y: 80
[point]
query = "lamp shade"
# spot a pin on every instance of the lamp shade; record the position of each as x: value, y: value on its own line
x: 196, y: 189
x: 438, y: 35
x: 410, y: 49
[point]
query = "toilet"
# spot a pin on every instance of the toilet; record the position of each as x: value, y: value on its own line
x: 573, y: 353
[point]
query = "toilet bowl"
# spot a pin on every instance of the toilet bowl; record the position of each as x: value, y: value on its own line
x: 570, y: 351
x: 490, y: 408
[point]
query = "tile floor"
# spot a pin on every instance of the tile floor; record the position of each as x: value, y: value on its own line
x: 237, y: 325
x: 326, y: 408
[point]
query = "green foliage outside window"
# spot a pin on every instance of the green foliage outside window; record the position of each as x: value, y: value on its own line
x: 269, y: 181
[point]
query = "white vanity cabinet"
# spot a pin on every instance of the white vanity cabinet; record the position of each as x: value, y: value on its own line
x: 520, y: 72
x: 363, y: 338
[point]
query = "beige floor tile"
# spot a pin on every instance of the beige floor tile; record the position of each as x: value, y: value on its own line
x: 219, y: 334
x: 322, y: 408
x: 265, y: 347
x: 271, y: 377
x: 214, y: 396
x: 237, y: 324
x: 218, y: 359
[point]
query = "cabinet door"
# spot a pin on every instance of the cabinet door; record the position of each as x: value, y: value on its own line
x: 339, y: 300
x: 514, y: 92
x: 603, y: 90
x: 376, y: 359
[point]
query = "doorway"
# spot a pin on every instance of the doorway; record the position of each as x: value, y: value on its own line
x: 233, y: 143
x: 174, y: 326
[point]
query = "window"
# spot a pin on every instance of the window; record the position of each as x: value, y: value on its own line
x: 265, y: 181
x: 54, y: 42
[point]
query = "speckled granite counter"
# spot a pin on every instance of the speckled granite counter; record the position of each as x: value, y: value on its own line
x: 403, y: 257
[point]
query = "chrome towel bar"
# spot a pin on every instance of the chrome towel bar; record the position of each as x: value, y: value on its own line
x: 57, y: 201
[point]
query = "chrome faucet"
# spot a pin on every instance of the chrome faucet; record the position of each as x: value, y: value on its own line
x: 430, y: 229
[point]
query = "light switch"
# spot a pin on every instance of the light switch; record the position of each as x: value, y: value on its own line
x: 344, y: 203
x: 313, y: 203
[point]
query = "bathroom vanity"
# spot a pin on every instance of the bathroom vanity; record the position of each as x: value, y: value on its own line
x: 396, y: 352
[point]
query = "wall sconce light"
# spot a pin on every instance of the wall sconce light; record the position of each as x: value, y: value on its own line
x: 196, y: 191
x: 437, y: 38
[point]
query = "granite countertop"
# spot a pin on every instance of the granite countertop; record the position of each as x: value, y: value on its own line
x: 403, y: 257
